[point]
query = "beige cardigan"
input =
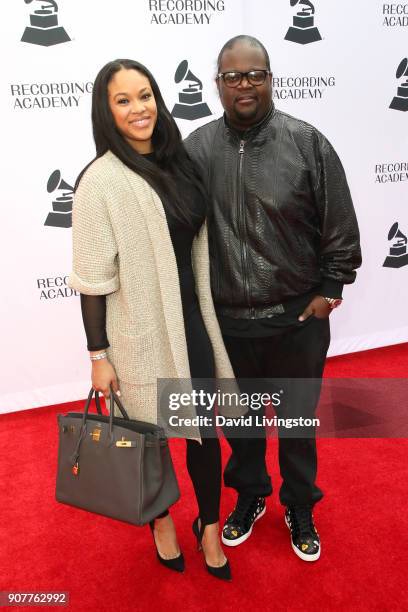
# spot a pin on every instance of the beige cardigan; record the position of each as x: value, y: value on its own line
x: 122, y: 248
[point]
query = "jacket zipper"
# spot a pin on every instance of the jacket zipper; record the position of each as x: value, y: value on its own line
x: 243, y: 229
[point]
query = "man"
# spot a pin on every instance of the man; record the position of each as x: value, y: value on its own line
x: 283, y: 241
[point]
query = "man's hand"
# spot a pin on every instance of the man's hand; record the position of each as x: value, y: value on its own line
x: 317, y: 307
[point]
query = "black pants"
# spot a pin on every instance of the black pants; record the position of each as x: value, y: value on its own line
x: 203, y: 460
x: 297, y: 352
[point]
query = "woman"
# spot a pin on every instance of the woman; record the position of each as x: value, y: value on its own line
x: 138, y: 208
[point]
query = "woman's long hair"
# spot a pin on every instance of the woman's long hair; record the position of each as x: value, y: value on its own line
x: 174, y: 167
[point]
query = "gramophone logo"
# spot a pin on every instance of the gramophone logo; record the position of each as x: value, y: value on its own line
x: 190, y: 105
x: 61, y: 215
x: 303, y: 30
x: 44, y: 29
x: 398, y: 256
x: 400, y: 101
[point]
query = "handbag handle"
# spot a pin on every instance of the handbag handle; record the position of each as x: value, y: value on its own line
x: 97, y: 402
x: 114, y: 400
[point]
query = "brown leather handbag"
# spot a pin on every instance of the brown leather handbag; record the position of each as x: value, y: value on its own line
x: 114, y: 466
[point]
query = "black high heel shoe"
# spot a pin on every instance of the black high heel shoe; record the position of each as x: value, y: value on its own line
x: 223, y: 572
x: 177, y: 563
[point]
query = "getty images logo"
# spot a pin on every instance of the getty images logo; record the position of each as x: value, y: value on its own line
x: 400, y: 101
x: 398, y: 256
x: 303, y: 30
x: 44, y: 29
x: 61, y: 215
x: 190, y: 105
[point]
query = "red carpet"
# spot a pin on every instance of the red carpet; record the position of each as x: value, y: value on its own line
x: 108, y: 565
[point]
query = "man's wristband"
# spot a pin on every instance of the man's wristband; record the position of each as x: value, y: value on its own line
x: 333, y: 302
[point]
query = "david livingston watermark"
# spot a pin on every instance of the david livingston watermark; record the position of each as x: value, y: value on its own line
x: 244, y: 409
x: 249, y: 421
x: 294, y: 408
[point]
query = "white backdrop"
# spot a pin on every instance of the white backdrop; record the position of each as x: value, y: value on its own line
x: 343, y: 84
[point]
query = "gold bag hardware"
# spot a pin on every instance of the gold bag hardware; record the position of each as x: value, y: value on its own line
x: 123, y: 443
x: 96, y: 435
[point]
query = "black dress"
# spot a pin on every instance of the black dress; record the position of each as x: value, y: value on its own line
x: 203, y: 460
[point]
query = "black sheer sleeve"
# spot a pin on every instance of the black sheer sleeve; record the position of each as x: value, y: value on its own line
x: 93, y: 309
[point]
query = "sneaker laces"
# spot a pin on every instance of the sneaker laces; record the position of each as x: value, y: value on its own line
x: 244, y: 509
x: 303, y: 520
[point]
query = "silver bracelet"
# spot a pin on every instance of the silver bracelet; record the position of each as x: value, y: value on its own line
x: 99, y: 356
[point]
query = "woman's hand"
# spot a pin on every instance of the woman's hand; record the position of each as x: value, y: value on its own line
x: 104, y: 375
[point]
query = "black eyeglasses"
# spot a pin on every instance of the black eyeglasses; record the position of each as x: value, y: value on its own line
x: 233, y: 79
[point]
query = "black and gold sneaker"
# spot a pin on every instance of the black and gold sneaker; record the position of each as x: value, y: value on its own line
x: 239, y: 524
x: 305, y: 539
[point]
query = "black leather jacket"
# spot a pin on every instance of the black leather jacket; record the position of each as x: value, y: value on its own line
x: 282, y: 221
